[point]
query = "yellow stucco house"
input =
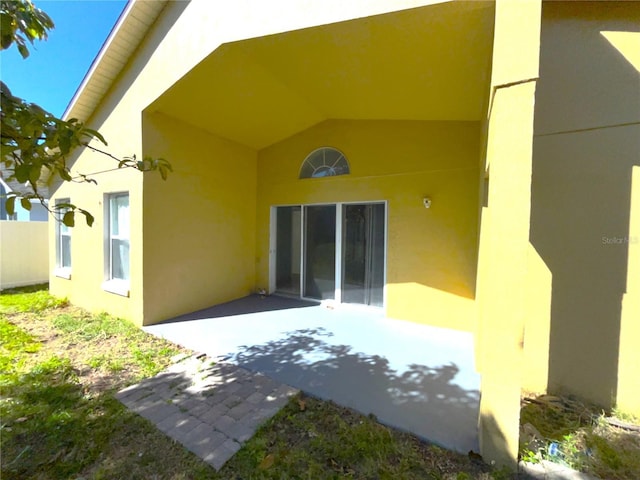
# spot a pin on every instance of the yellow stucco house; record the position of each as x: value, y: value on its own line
x: 470, y: 165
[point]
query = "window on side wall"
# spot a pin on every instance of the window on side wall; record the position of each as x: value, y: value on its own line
x: 63, y: 242
x: 117, y: 224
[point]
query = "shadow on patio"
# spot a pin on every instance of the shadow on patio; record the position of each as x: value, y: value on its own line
x: 412, y: 377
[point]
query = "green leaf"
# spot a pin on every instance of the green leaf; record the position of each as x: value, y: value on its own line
x: 267, y: 462
x: 22, y: 172
x: 69, y: 218
x: 24, y: 51
x: 10, y: 205
x: 5, y: 40
x: 88, y: 217
x: 65, y: 142
x: 166, y: 167
x: 34, y: 173
x: 6, y: 28
x: 95, y: 134
x: 62, y: 206
x: 64, y: 174
x: 26, y: 204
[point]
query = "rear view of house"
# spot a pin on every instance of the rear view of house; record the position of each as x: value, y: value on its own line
x: 465, y: 165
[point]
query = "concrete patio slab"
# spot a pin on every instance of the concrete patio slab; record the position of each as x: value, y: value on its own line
x: 412, y: 377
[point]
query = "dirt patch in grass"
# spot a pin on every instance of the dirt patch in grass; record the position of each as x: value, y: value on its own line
x: 568, y: 431
x: 106, y: 353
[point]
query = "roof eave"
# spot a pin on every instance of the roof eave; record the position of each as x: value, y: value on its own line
x: 112, y: 57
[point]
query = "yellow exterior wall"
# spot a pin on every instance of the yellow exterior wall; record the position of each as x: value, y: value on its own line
x: 263, y: 90
x: 587, y: 139
x: 628, y: 398
x: 431, y: 252
x: 199, y: 226
x: 504, y: 231
x: 537, y: 328
x: 185, y: 33
x: 88, y: 243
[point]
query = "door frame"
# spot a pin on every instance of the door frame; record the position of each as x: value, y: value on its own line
x: 273, y: 212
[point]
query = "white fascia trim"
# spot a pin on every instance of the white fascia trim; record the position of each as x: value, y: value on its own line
x: 119, y: 287
x: 99, y: 57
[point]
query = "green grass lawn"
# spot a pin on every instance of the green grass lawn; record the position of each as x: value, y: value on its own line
x: 59, y: 419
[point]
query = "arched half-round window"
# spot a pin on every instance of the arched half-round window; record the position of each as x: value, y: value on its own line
x: 324, y: 162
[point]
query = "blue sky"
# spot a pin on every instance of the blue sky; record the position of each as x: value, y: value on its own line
x: 55, y: 68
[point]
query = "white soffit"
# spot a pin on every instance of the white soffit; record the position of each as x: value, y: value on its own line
x: 131, y: 27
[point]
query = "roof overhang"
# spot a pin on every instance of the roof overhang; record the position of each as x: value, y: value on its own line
x: 427, y: 63
x: 131, y: 27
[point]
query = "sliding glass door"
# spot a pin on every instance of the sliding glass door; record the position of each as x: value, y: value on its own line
x: 363, y: 254
x: 332, y: 251
x: 288, y: 259
x: 320, y: 252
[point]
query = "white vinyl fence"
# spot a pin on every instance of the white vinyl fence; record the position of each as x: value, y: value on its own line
x: 24, y: 253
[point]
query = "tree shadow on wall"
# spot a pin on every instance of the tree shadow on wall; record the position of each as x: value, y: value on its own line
x: 422, y: 399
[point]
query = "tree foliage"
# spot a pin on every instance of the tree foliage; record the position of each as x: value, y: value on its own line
x: 21, y: 21
x: 35, y: 144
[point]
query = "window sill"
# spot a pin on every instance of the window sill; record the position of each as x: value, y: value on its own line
x: 118, y: 287
x: 63, y: 273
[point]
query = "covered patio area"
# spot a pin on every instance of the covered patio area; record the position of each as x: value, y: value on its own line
x: 412, y: 377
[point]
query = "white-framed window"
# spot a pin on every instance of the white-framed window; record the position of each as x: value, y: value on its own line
x: 324, y: 162
x: 63, y: 242
x: 117, y: 243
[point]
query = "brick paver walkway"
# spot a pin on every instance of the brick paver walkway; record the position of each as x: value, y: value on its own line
x: 210, y: 408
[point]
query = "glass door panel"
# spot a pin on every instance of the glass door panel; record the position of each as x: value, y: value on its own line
x: 288, y: 246
x: 363, y: 254
x: 320, y: 252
